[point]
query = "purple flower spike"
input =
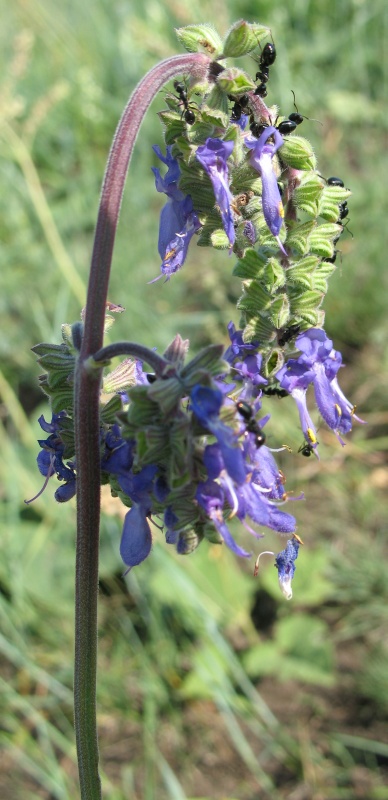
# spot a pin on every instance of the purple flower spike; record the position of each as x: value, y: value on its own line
x: 261, y: 160
x: 285, y: 563
x: 213, y: 157
x: 178, y: 221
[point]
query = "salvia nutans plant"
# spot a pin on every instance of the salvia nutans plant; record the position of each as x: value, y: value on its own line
x: 182, y: 440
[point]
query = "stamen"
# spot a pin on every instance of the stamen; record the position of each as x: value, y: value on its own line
x: 264, y: 553
x: 50, y: 472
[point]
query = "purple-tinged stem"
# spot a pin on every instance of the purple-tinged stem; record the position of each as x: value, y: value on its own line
x: 195, y: 64
x: 86, y: 414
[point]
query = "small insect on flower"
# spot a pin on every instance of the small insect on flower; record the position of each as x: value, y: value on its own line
x: 187, y: 113
x: 247, y: 413
x: 267, y: 58
x: 275, y: 391
x: 308, y: 448
x: 240, y: 103
x: 286, y: 334
x: 294, y: 119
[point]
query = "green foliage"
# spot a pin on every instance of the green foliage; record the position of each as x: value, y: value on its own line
x: 301, y: 651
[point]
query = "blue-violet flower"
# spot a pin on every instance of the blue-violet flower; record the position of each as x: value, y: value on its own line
x: 213, y: 156
x: 318, y: 364
x: 261, y: 159
x: 178, y: 220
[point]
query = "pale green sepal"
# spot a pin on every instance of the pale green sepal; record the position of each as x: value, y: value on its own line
x: 63, y: 362
x: 273, y: 363
x: 251, y: 265
x: 174, y: 126
x: 297, y: 152
x: 306, y: 196
x: 179, y: 474
x: 320, y: 323
x: 279, y: 313
x: 56, y: 378
x: 261, y: 32
x: 142, y: 409
x: 44, y: 348
x: 108, y: 322
x: 321, y: 239
x: 214, y: 116
x: 67, y: 335
x: 219, y: 239
x: 151, y: 444
x: 242, y: 38
x: 176, y: 351
x: 188, y: 541
x: 209, y: 358
x: 212, y: 536
x: 217, y: 105
x: 120, y: 378
x: 326, y: 269
x: 204, y: 237
x: 266, y: 237
x: 183, y: 147
x: 93, y: 366
x: 182, y: 502
x: 310, y: 316
x: 274, y: 275
x: 258, y: 328
x: 61, y: 400
x: 234, y: 81
x: 332, y: 196
x: 301, y: 274
x: 255, y: 299
x: 197, y: 38
x: 245, y: 177
x: 309, y: 300
x: 298, y: 236
x: 110, y: 410
x: 198, y: 133
x: 319, y: 284
x: 166, y: 393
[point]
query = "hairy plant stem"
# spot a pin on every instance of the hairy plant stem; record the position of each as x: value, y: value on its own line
x: 158, y: 363
x: 86, y: 413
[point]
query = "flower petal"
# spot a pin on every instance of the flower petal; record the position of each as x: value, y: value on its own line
x: 136, y: 539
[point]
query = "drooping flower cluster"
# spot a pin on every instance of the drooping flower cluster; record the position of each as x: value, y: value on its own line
x: 184, y: 455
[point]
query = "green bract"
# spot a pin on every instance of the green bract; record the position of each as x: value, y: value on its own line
x: 196, y: 38
x: 243, y: 38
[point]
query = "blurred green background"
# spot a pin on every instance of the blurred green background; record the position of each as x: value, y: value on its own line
x: 210, y: 684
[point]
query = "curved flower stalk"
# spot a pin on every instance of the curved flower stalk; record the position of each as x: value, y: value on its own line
x: 186, y: 445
